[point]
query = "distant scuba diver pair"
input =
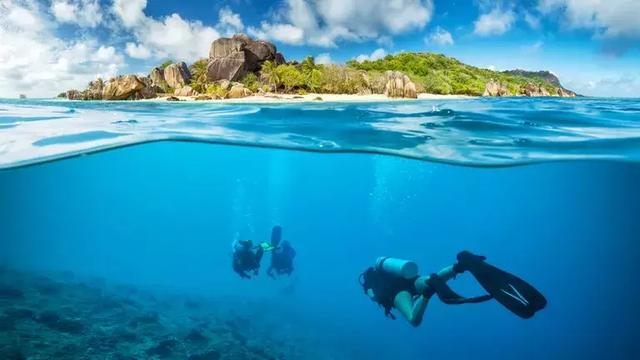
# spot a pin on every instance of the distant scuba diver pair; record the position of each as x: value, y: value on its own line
x: 247, y: 257
x: 395, y: 283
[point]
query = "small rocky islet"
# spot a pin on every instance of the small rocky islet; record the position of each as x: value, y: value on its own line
x: 239, y: 67
x: 61, y: 316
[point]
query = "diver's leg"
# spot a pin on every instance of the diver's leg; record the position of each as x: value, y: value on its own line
x: 445, y: 274
x: 412, y: 310
x: 259, y: 254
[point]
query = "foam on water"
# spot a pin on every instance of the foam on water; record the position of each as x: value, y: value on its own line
x: 475, y: 132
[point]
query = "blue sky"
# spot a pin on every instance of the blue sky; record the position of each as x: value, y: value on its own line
x: 47, y: 46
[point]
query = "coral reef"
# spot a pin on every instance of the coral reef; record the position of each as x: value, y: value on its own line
x: 63, y: 316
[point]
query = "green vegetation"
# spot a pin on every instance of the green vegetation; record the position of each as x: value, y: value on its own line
x: 199, y: 75
x: 270, y: 74
x: 431, y: 73
x: 308, y: 76
x: 439, y: 74
x: 305, y: 77
x: 251, y: 82
x: 217, y: 90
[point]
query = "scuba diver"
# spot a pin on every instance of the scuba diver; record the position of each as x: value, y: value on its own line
x: 282, y: 255
x: 395, y: 283
x: 246, y: 257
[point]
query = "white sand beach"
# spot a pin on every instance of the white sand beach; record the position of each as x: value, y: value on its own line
x: 278, y: 98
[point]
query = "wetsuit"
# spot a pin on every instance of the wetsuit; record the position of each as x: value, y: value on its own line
x: 245, y: 260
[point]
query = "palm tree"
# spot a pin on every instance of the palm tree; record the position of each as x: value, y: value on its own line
x: 269, y: 72
x: 199, y: 75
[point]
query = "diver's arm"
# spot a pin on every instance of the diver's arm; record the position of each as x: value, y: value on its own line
x: 371, y: 294
x: 412, y: 310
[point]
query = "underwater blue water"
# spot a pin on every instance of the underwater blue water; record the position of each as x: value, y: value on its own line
x: 164, y: 215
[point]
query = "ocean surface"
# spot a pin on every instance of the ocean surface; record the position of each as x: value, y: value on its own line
x: 125, y: 254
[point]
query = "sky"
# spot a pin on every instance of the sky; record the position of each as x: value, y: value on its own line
x: 49, y: 46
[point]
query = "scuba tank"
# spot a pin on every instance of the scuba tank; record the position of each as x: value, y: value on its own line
x: 402, y: 268
x: 276, y: 235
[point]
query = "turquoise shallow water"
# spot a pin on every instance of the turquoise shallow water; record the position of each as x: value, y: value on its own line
x: 106, y: 241
x: 478, y: 132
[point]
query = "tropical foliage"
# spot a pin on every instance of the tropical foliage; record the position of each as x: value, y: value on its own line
x: 308, y: 76
x: 432, y: 73
x: 199, y: 75
x: 439, y: 74
x: 251, y: 82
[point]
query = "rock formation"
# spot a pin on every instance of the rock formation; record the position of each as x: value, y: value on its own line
x: 122, y: 87
x: 562, y: 92
x: 238, y: 91
x: 495, y: 88
x: 233, y: 58
x: 177, y: 75
x: 74, y: 95
x: 157, y: 77
x: 92, y: 92
x: 128, y: 87
x: 399, y: 85
x: 534, y: 90
x: 185, y: 91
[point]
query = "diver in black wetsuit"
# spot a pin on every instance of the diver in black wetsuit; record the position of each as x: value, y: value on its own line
x: 394, y: 283
x: 282, y: 260
x: 245, y: 259
x: 282, y: 255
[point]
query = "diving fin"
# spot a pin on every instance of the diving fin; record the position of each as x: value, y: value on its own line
x: 448, y: 296
x: 276, y: 235
x: 513, y: 293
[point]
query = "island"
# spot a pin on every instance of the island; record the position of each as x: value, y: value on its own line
x: 241, y: 67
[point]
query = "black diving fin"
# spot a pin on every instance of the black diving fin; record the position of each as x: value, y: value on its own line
x: 276, y: 236
x: 448, y: 296
x: 513, y: 293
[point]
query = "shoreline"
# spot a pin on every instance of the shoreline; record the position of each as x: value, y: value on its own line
x: 290, y: 98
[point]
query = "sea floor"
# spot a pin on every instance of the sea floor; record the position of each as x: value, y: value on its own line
x: 63, y: 316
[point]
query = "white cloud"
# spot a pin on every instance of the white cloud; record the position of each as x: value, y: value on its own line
x: 377, y: 54
x: 85, y: 13
x: 34, y: 61
x: 495, y: 22
x: 229, y: 22
x: 285, y: 33
x: 325, y: 22
x: 131, y: 12
x: 324, y: 59
x: 172, y: 36
x: 107, y: 54
x: 20, y: 18
x: 439, y: 36
x: 611, y: 18
x: 137, y: 51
